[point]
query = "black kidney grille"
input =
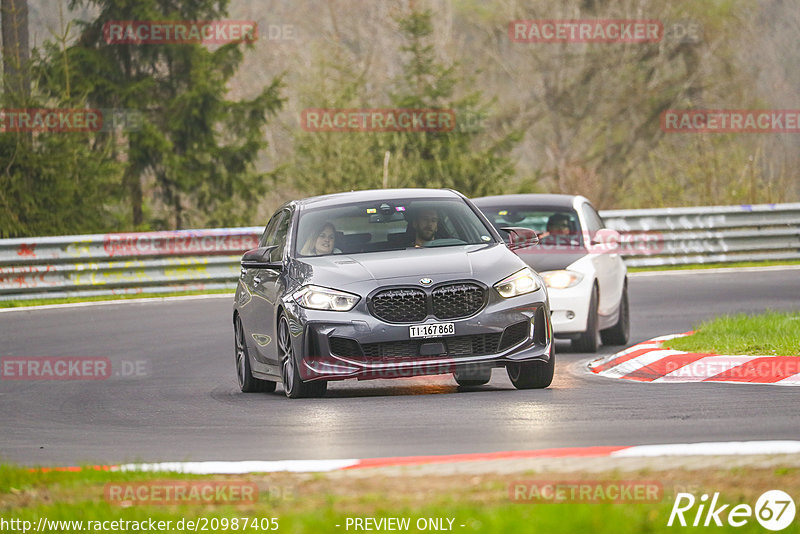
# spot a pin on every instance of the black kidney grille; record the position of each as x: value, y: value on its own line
x: 457, y: 300
x: 400, y: 305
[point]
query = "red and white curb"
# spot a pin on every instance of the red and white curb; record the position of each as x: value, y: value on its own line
x: 727, y: 448
x: 650, y: 362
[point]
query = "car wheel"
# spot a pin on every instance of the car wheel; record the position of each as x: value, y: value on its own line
x: 620, y: 332
x: 588, y: 341
x: 293, y: 385
x: 473, y: 377
x: 247, y: 383
x: 533, y: 375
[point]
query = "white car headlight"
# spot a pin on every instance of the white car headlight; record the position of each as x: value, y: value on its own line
x: 521, y: 282
x: 561, y: 279
x: 322, y: 298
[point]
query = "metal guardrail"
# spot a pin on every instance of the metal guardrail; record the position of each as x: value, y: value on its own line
x: 158, y: 262
x: 713, y: 234
x: 105, y: 264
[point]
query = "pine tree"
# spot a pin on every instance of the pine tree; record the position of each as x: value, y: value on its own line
x: 197, y: 147
x: 464, y: 158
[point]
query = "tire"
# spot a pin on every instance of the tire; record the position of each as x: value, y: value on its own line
x: 293, y: 385
x: 473, y: 377
x: 244, y: 375
x: 533, y: 375
x: 620, y: 332
x: 588, y: 341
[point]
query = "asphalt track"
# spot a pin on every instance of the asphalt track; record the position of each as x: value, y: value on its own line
x: 186, y: 405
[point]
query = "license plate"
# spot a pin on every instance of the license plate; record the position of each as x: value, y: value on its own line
x: 432, y: 330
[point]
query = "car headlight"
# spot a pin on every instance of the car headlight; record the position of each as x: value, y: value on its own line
x: 521, y: 282
x: 322, y: 298
x: 561, y: 279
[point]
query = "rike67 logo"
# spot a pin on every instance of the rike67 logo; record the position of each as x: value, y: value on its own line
x: 774, y: 510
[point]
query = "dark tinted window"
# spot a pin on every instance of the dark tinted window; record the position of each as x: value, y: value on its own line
x: 275, y: 233
x: 278, y: 237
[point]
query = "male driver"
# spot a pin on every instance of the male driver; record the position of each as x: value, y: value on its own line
x: 557, y: 224
x: 425, y: 223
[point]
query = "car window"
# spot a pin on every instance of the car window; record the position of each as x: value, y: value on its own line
x: 593, y: 220
x: 365, y: 227
x: 550, y: 223
x: 269, y: 230
x: 278, y: 237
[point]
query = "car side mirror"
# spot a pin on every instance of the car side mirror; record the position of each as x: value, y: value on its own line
x: 520, y: 237
x: 607, y: 239
x: 260, y: 258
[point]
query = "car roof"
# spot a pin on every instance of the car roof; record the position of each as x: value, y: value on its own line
x: 377, y: 195
x: 532, y: 199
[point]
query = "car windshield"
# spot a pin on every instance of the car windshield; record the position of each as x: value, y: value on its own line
x: 556, y: 226
x: 376, y: 226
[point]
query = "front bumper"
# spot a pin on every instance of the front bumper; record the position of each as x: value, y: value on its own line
x: 363, y: 347
x: 570, y: 307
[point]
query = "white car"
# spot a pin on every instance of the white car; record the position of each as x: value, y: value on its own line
x: 578, y: 259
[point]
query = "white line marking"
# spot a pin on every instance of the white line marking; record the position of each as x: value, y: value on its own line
x: 611, y: 357
x: 120, y: 301
x: 718, y: 270
x: 667, y: 337
x: 238, y: 468
x: 637, y: 363
x: 793, y: 380
x: 725, y: 448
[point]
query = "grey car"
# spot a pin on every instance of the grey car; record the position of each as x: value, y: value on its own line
x: 386, y: 284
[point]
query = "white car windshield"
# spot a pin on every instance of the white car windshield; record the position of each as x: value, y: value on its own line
x: 554, y: 226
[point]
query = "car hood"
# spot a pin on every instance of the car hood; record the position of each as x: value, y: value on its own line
x: 542, y: 261
x: 487, y: 263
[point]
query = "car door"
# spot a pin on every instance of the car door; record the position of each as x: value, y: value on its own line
x: 265, y: 287
x: 608, y: 264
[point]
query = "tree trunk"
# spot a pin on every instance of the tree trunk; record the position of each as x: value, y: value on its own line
x: 16, y: 53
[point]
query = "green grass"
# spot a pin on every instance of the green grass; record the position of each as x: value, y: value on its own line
x: 100, y: 298
x: 318, y: 503
x: 769, y: 334
x: 712, y: 265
